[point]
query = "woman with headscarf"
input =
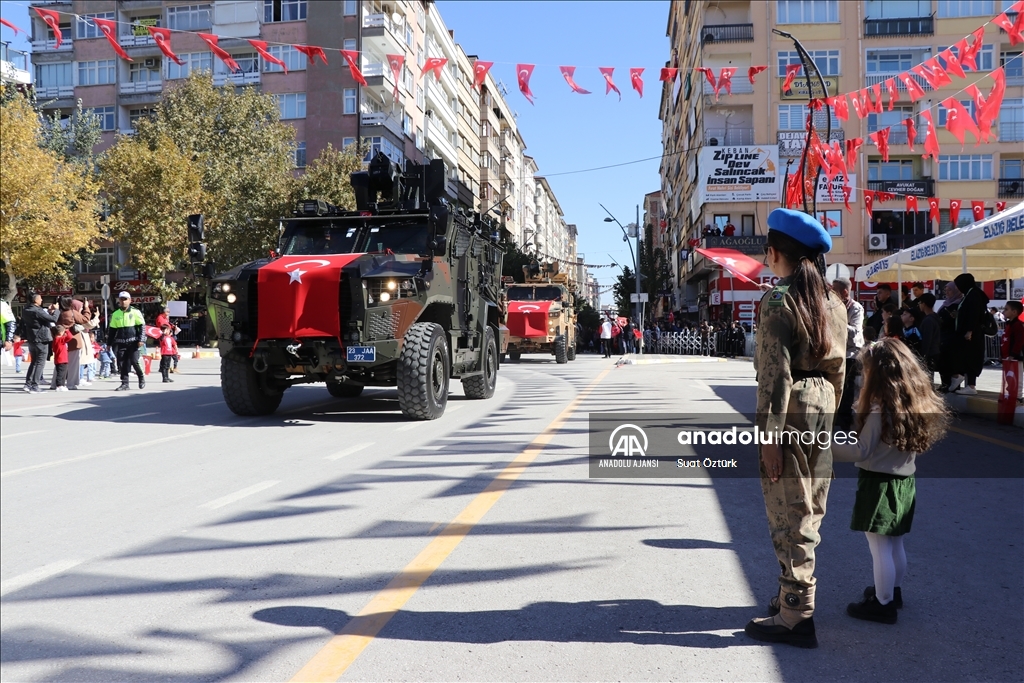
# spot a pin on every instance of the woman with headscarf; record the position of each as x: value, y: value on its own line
x: 969, y: 337
x: 72, y: 318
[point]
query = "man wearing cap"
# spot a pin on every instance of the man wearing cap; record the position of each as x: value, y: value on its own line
x: 800, y: 362
x: 125, y: 333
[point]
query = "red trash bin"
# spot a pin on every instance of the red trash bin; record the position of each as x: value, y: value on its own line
x: 148, y: 361
x: 1008, y: 396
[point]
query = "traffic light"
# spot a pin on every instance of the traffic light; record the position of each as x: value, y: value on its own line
x: 196, y: 232
x: 196, y: 252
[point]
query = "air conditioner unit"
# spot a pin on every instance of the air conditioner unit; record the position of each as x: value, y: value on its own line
x: 713, y: 142
x: 878, y: 242
x: 151, y: 62
x: 85, y: 286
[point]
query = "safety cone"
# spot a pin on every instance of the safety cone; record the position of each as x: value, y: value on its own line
x: 195, y: 354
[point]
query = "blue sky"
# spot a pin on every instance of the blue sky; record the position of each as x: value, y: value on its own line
x: 564, y: 131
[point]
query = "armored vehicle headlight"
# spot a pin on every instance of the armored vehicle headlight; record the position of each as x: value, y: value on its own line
x: 391, y: 285
x: 232, y: 298
x: 384, y: 296
x: 225, y: 287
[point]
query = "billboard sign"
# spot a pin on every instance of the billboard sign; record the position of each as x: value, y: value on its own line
x: 832, y: 193
x: 747, y: 173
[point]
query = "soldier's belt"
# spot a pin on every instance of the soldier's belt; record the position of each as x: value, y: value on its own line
x: 806, y: 374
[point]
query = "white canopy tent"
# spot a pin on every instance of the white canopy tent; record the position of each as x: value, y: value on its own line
x: 991, y: 249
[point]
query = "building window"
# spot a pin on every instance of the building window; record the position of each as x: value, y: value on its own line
x: 65, y: 31
x: 897, y: 9
x: 192, y: 62
x: 965, y: 167
x: 807, y: 11
x: 249, y: 63
x: 349, y: 44
x: 97, y: 73
x: 100, y: 261
x: 827, y: 61
x: 347, y: 142
x: 410, y: 39
x: 106, y: 115
x: 292, y: 105
x: 985, y: 58
x: 189, y: 18
x: 1011, y: 168
x: 134, y: 115
x: 949, y: 9
x: 283, y: 10
x: 351, y: 8
x: 349, y: 101
x: 420, y: 102
x: 292, y: 58
x: 894, y: 169
x: 1011, y: 121
x: 407, y: 124
x: 51, y: 75
x: 382, y: 144
x: 141, y: 72
x: 967, y: 104
x: 300, y: 155
x: 832, y: 221
x: 890, y: 62
x: 794, y: 117
x: 86, y: 28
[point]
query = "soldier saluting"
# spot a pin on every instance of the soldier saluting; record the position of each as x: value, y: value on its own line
x: 800, y: 363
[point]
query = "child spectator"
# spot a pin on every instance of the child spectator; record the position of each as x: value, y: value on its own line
x: 1013, y: 341
x: 106, y: 359
x: 19, y: 349
x: 62, y: 336
x: 900, y: 416
x: 911, y: 335
x: 168, y: 350
x: 893, y: 328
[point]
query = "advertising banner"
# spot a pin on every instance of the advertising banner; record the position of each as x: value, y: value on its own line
x: 740, y: 174
x: 833, y: 193
x: 791, y: 142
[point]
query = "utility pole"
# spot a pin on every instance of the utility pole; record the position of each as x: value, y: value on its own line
x: 636, y: 264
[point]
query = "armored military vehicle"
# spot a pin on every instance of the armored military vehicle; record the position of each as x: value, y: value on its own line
x: 401, y: 292
x: 540, y: 315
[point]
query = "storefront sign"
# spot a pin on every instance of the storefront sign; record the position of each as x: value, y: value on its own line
x: 919, y: 188
x: 798, y: 88
x: 832, y: 193
x: 746, y: 244
x: 791, y: 142
x: 139, y: 25
x: 740, y: 174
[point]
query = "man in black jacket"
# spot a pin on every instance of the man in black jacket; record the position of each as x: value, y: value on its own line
x: 881, y: 299
x: 35, y: 330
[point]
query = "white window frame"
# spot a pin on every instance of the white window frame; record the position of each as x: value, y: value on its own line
x: 248, y: 62
x: 345, y: 142
x: 348, y: 101
x: 785, y: 113
x: 193, y: 62
x: 807, y: 11
x: 901, y: 163
x: 985, y: 58
x: 1011, y: 120
x: 96, y: 72
x: 965, y: 162
x: 941, y: 118
x: 190, y: 15
x: 85, y: 28
x: 952, y: 9
x: 65, y: 69
x: 292, y: 58
x: 291, y: 105
x: 298, y: 11
x: 136, y: 69
x: 828, y: 57
x: 300, y: 154
x: 350, y: 8
x: 105, y: 114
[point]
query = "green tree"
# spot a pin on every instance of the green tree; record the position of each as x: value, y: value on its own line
x: 514, y: 260
x: 624, y: 287
x: 73, y: 139
x: 48, y: 205
x: 588, y: 317
x: 327, y: 177
x: 655, y: 276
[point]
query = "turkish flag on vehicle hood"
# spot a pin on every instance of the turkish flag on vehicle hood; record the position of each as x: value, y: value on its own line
x: 298, y: 296
x: 528, y: 318
x: 735, y: 262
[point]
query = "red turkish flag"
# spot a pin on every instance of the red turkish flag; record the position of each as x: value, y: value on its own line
x: 988, y: 112
x: 528, y: 319
x: 954, y: 211
x: 884, y: 196
x: 568, y: 73
x: 881, y: 140
x: 860, y: 102
x: 978, y: 210
x: 299, y: 296
x: 312, y: 52
x: 933, y: 73
x: 725, y: 80
x: 735, y: 262
x: 434, y: 64
x: 668, y: 73
x: 636, y: 77
x: 933, y: 208
x: 969, y: 56
x: 10, y: 25
x: 847, y: 191
x: 1000, y: 207
x: 958, y: 121
x: 1003, y: 22
x: 222, y: 55
x: 837, y: 160
x: 839, y: 104
x: 353, y: 67
x: 261, y: 47
x: 952, y: 61
x: 890, y: 88
x: 51, y: 19
x: 396, y: 62
x: 480, y: 69
x: 152, y: 331
x: 852, y: 145
x: 911, y: 203
x: 754, y: 70
x: 791, y: 71
x: 709, y: 74
x: 911, y: 131
x: 931, y: 141
x: 609, y: 84
x: 869, y: 200
x: 913, y: 88
x: 162, y: 38
x: 876, y: 91
x: 523, y: 74
x: 109, y: 29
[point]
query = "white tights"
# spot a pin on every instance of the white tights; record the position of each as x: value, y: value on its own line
x: 890, y: 564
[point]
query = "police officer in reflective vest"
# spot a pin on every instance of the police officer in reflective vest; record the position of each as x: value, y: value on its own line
x: 800, y: 360
x: 125, y: 334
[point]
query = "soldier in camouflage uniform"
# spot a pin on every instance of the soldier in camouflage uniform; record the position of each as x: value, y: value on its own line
x: 797, y: 392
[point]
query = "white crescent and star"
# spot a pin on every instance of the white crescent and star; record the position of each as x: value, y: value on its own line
x: 296, y: 275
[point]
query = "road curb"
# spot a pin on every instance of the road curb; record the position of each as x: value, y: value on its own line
x: 657, y: 360
x: 983, y: 406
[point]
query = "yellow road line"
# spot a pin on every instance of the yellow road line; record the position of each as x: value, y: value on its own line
x: 990, y: 439
x: 343, y: 649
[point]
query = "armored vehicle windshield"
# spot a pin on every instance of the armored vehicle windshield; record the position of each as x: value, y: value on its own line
x: 534, y: 293
x: 354, y: 235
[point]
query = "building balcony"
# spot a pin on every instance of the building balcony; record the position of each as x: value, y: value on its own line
x: 898, y: 242
x: 438, y: 102
x: 382, y: 33
x: 741, y: 85
x: 715, y: 137
x: 381, y: 119
x: 379, y: 75
x: 1011, y: 188
x: 910, y: 26
x: 236, y: 79
x: 135, y: 88
x: 727, y: 33
x: 1016, y: 78
x: 1011, y: 131
x: 872, y: 79
x: 14, y: 66
x: 67, y: 45
x: 898, y: 135
x: 46, y: 92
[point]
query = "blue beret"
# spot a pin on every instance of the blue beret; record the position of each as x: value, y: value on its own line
x: 802, y: 227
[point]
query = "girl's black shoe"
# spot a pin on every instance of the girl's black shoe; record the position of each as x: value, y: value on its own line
x: 897, y: 595
x: 869, y: 609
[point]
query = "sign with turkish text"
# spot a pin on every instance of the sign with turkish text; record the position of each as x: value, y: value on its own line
x: 798, y: 88
x: 745, y: 244
x: 918, y: 188
x: 740, y: 174
x: 832, y: 193
x: 791, y: 142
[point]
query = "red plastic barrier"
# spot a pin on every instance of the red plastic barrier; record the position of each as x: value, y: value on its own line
x: 1008, y: 396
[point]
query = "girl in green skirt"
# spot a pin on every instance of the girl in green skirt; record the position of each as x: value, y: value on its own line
x: 900, y: 416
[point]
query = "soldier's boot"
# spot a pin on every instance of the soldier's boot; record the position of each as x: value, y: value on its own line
x: 792, y: 624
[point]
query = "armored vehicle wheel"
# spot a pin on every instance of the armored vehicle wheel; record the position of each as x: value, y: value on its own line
x: 514, y: 356
x: 482, y: 386
x: 423, y: 371
x: 560, y: 351
x: 344, y: 389
x: 241, y: 388
x: 571, y: 353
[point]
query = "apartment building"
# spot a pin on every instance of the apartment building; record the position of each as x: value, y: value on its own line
x: 14, y: 65
x: 661, y: 240
x: 854, y: 45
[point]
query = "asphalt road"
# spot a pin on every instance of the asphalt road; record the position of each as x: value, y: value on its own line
x: 156, y: 536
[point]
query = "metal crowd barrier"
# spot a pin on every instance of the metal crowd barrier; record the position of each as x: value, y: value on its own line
x: 695, y: 343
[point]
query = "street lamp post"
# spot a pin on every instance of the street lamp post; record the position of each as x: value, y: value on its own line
x: 634, y: 254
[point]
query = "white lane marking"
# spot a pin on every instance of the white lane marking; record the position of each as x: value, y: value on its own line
x: 411, y: 425
x: 239, y: 495
x: 11, y: 436
x: 348, y: 451
x: 207, y: 405
x: 431, y: 448
x: 36, y: 575
x: 701, y: 384
x: 38, y: 407
x: 131, y: 417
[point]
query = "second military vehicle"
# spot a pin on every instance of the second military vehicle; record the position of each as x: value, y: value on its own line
x: 540, y: 315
